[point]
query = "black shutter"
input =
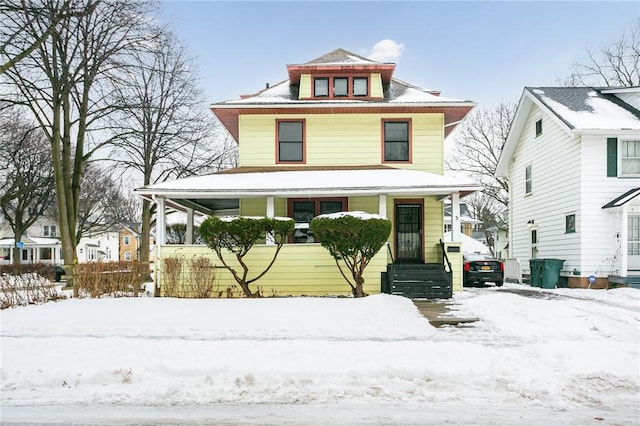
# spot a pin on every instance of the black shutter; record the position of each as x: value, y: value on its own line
x: 612, y: 157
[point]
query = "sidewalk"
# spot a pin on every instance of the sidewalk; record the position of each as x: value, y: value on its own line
x: 438, y: 313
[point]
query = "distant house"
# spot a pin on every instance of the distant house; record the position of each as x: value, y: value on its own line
x: 573, y: 162
x: 102, y: 247
x: 339, y: 134
x: 39, y: 244
x: 467, y: 222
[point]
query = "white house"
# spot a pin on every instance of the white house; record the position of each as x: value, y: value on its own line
x: 573, y: 162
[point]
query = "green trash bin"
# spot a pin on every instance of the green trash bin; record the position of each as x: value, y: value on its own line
x: 534, y: 267
x: 550, y: 272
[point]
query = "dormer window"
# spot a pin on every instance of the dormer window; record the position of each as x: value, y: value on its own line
x: 360, y: 86
x: 321, y: 87
x: 340, y: 87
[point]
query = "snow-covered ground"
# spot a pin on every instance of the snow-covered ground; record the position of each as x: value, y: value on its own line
x: 566, y: 357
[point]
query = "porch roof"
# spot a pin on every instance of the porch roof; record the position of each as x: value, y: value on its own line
x: 623, y: 199
x: 210, y: 192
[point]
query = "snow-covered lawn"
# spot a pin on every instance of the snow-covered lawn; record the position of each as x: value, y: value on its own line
x: 568, y: 357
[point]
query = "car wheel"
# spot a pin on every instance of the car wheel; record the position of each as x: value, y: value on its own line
x: 499, y: 284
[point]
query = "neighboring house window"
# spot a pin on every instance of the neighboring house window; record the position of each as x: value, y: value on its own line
x: 126, y: 240
x: 396, y: 140
x: 290, y: 141
x: 303, y: 210
x: 127, y: 256
x: 570, y: 223
x: 538, y: 127
x: 528, y: 179
x: 534, y: 243
x: 321, y: 87
x: 630, y: 158
x: 49, y: 231
x: 633, y: 247
x: 45, y: 232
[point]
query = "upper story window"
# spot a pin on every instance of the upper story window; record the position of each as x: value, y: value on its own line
x: 528, y: 179
x: 321, y: 87
x: 127, y: 241
x: 630, y: 158
x: 49, y: 231
x: 340, y: 87
x: 570, y: 223
x: 538, y: 127
x: 360, y: 86
x: 396, y: 140
x: 290, y: 141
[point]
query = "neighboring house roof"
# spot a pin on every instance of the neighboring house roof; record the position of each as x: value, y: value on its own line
x: 203, y: 191
x: 35, y: 241
x: 575, y: 110
x: 623, y: 199
x: 465, y: 216
x: 469, y: 245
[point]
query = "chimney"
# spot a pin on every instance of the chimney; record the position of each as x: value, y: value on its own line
x: 266, y: 85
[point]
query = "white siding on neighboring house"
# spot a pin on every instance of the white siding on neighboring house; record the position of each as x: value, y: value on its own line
x: 554, y: 157
x: 99, y: 248
x: 601, y: 244
x: 632, y: 99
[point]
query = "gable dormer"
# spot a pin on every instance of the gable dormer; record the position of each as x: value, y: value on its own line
x: 341, y: 75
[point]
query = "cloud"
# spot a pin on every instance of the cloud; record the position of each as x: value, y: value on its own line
x: 386, y: 50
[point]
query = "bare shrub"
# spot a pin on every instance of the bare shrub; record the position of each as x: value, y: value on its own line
x: 172, y: 277
x: 26, y: 289
x: 117, y: 279
x: 202, y: 277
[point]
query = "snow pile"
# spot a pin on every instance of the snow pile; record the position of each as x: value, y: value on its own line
x: 563, y: 357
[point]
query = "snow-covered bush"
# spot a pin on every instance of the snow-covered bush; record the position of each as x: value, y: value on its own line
x: 238, y: 235
x: 353, y: 238
x: 26, y: 289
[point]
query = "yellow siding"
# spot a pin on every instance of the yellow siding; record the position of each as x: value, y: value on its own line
x: 433, y: 229
x: 299, y: 270
x: 305, y: 86
x: 376, y: 86
x: 456, y: 265
x: 343, y: 139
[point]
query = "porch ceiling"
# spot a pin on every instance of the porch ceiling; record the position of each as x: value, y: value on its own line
x: 222, y: 190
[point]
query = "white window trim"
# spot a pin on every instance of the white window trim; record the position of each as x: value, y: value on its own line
x: 621, y: 142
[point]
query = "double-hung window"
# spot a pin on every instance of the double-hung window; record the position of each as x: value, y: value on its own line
x: 630, y: 158
x: 340, y: 87
x: 528, y: 180
x: 304, y: 210
x: 396, y: 140
x: 321, y: 87
x: 290, y: 137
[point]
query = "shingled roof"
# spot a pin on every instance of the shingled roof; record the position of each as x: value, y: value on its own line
x: 340, y: 56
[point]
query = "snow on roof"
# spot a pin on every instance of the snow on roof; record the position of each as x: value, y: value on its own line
x: 341, y: 57
x: 314, y: 182
x: 586, y: 108
x: 31, y: 241
x: 399, y: 92
x: 469, y: 245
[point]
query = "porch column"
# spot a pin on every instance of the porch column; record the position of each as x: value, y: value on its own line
x: 455, y: 217
x: 624, y: 241
x: 189, y: 236
x: 161, y: 225
x: 382, y: 205
x: 270, y: 214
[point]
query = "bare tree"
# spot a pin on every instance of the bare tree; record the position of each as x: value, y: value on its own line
x: 26, y: 175
x: 616, y: 65
x: 65, y: 82
x: 167, y: 132
x: 477, y: 146
x: 13, y: 15
x: 488, y: 211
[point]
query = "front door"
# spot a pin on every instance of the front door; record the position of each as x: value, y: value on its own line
x: 408, y: 232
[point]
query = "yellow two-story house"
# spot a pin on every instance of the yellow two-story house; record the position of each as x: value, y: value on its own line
x: 340, y: 134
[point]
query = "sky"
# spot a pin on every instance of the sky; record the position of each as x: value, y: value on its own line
x: 482, y: 51
x: 557, y: 357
